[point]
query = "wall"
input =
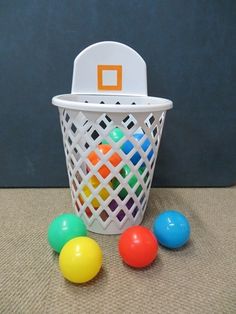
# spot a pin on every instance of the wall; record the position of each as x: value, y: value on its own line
x: 190, y: 54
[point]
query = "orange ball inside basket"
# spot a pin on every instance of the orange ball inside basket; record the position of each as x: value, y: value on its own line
x: 114, y: 159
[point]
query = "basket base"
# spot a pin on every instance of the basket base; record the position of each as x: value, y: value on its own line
x: 112, y: 229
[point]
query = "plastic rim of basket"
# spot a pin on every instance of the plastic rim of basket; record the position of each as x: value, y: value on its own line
x: 139, y: 103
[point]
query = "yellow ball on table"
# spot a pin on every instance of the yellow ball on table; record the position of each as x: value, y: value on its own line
x: 80, y: 259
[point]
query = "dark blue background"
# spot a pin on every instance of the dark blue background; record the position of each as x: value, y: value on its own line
x: 189, y: 47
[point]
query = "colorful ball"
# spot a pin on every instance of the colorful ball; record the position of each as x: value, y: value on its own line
x: 128, y: 146
x: 172, y: 229
x: 95, y: 183
x: 64, y: 228
x: 124, y: 173
x: 87, y: 191
x: 138, y: 247
x: 80, y: 260
x: 132, y: 181
x: 116, y: 135
x: 115, y: 159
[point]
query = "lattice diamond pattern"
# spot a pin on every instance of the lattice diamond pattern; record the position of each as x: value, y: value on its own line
x: 110, y: 188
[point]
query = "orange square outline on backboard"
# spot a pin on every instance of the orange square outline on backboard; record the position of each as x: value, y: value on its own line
x: 117, y: 68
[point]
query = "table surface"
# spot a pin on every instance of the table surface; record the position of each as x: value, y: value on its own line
x: 199, y: 278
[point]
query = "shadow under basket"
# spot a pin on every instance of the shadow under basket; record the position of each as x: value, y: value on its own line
x: 111, y: 145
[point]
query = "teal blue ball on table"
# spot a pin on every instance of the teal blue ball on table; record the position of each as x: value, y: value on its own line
x: 172, y: 229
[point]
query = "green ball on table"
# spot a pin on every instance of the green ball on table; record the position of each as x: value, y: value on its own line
x: 64, y: 228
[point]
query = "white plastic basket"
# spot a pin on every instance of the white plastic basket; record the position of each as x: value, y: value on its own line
x: 111, y: 132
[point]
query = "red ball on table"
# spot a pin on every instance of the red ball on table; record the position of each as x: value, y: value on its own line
x: 138, y: 246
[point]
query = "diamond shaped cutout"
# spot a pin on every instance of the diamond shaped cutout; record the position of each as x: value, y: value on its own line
x: 83, y: 171
x: 67, y: 117
x: 86, y: 191
x: 72, y: 163
x: 132, y: 181
x: 125, y: 119
x: 74, y: 186
x: 95, y: 203
x: 139, y: 190
x: 81, y: 199
x: 146, y: 144
x: 93, y: 158
x: 130, y: 125
x: 130, y: 203
x: 151, y: 119
x: 127, y: 147
x: 121, y: 215
x: 103, y: 124
x: 95, y: 135
x: 142, y: 168
x: 142, y: 199
x: 73, y: 128
x: 155, y: 130
x: 150, y: 154
x: 115, y: 183
x: 104, y: 148
x: 113, y: 205
x: 77, y: 207
x: 86, y: 145
x: 104, y: 171
x: 125, y: 171
x: 115, y: 159
x: 94, y: 181
x: 88, y: 212
x: 116, y: 134
x: 85, y: 122
x: 146, y: 177
x: 104, y: 215
x: 108, y: 118
x: 122, y: 194
x: 135, y: 158
x: 135, y: 211
x: 103, y: 194
x: 69, y: 140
